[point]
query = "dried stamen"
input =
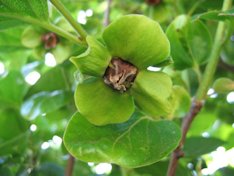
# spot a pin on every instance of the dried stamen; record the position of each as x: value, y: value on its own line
x: 120, y: 74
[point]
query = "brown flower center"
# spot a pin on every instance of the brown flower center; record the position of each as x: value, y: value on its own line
x: 120, y: 74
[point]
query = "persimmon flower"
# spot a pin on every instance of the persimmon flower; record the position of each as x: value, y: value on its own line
x: 118, y: 78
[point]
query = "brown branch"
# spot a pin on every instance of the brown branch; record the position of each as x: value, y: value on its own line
x: 70, y: 165
x: 178, y: 152
x: 106, y: 21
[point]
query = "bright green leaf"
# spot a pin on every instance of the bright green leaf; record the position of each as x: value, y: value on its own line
x: 137, y: 142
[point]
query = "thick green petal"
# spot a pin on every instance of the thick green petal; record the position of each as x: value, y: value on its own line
x: 137, y: 39
x: 138, y: 142
x: 94, y: 60
x: 151, y: 92
x: 101, y: 104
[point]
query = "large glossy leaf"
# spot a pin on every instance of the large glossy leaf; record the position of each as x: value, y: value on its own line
x: 33, y: 8
x: 102, y: 105
x: 43, y: 103
x: 137, y: 142
x: 196, y: 146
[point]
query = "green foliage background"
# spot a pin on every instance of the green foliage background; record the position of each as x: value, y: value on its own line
x: 49, y: 104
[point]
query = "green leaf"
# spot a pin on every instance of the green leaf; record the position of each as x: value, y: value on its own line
x: 137, y: 142
x: 94, y: 60
x: 48, y: 169
x: 137, y: 39
x: 199, y: 41
x: 190, y: 41
x: 34, y: 8
x: 200, y: 125
x: 225, y: 171
x: 160, y: 169
x: 102, y: 105
x: 54, y: 79
x: 176, y: 33
x: 151, y: 92
x: 197, y: 146
x: 216, y: 15
x: 6, y: 23
x: 12, y: 89
x: 13, y: 136
x: 223, y: 85
x: 43, y: 103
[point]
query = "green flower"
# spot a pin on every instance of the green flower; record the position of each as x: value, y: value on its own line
x: 118, y: 76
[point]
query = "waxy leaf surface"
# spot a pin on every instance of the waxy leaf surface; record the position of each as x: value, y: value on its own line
x: 137, y: 142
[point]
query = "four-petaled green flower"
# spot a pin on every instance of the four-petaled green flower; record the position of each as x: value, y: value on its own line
x: 119, y: 80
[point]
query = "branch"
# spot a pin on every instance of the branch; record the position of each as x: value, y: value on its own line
x: 178, y: 152
x: 106, y: 21
x: 44, y: 25
x: 79, y: 29
x: 197, y: 103
x: 70, y: 166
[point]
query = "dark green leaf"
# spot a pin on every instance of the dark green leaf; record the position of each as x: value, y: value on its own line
x: 138, y: 142
x: 160, y: 169
x: 54, y: 79
x: 176, y: 33
x: 48, y: 169
x: 199, y: 41
x: 196, y: 146
x: 33, y: 8
x: 12, y: 89
x: 43, y: 103
x: 225, y: 171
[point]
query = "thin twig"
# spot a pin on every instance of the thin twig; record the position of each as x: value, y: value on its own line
x: 106, y: 21
x: 178, y: 152
x: 70, y: 166
x: 202, y: 90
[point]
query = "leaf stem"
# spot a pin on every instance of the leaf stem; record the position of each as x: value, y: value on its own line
x: 70, y: 166
x: 62, y: 9
x: 45, y: 25
x: 201, y: 92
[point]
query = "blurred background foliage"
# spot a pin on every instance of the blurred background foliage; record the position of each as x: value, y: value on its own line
x: 37, y: 82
